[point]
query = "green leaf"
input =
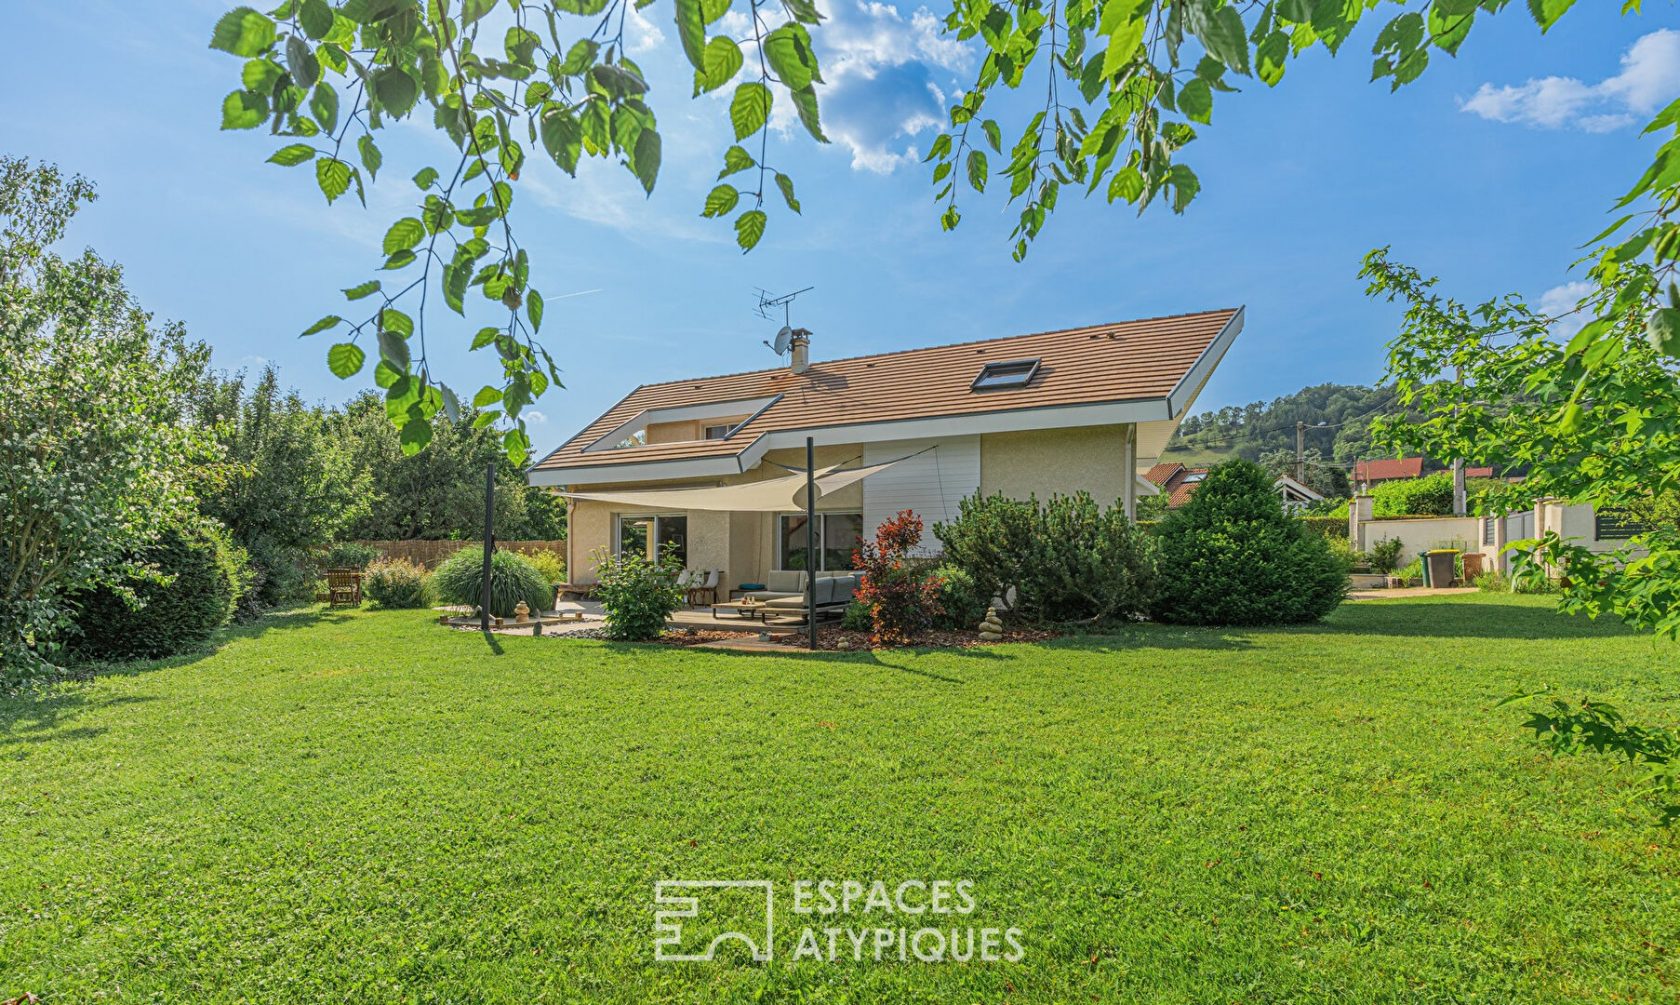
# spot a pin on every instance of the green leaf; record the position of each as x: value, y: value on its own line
x: 486, y: 396
x: 1196, y: 101
x: 721, y: 201
x: 451, y: 404
x: 1126, y: 184
x: 455, y: 279
x: 416, y: 433
x: 805, y: 100
x: 330, y: 321
x: 1226, y: 39
x: 994, y: 135
x: 244, y: 110
x: 406, y: 233
x: 749, y: 228
x: 749, y: 109
x: 718, y: 65
x: 785, y: 183
x: 385, y: 375
x: 316, y: 18
x: 977, y: 170
x: 323, y: 104
x: 804, y: 10
x: 293, y: 155
x: 401, y: 259
x: 1547, y: 12
x: 366, y: 289
x: 301, y: 61
x: 243, y: 32
x: 645, y: 163
x: 579, y: 57
x: 788, y: 50
x: 371, y: 157
x: 691, y: 30
x: 534, y: 309
x: 1662, y: 328
x: 395, y: 90
x: 562, y: 137
x: 484, y: 337
x: 473, y: 10
x: 345, y: 360
x: 333, y: 175
x: 736, y: 159
x: 425, y: 177
x: 393, y: 348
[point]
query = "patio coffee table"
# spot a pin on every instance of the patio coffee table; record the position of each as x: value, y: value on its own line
x: 743, y: 610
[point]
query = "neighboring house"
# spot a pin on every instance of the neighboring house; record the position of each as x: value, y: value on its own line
x: 1029, y: 415
x: 1178, y: 483
x: 1369, y: 473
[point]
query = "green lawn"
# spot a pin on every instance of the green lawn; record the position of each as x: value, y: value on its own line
x: 363, y: 808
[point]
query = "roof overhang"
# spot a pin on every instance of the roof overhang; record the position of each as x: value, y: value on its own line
x: 1161, y: 413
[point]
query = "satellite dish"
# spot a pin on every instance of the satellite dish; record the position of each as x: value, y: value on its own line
x: 783, y: 337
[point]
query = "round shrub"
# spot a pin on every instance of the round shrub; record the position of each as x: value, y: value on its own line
x: 961, y: 605
x: 193, y: 595
x: 396, y: 585
x: 1232, y: 556
x: 552, y: 567
x: 512, y: 579
x: 637, y: 596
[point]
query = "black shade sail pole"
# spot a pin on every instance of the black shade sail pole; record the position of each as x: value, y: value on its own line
x: 811, y: 539
x: 489, y: 545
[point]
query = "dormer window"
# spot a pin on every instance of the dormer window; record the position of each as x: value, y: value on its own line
x: 718, y: 432
x: 1005, y: 374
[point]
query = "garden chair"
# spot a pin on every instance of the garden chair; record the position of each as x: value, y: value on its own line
x: 344, y: 588
x: 705, y: 591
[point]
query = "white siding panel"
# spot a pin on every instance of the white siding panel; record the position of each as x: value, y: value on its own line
x: 931, y: 484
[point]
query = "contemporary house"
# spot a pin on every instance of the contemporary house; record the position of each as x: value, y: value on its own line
x: 708, y: 466
x: 1178, y: 483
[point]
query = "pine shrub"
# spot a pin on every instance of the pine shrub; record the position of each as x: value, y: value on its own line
x: 189, y: 592
x: 1232, y: 556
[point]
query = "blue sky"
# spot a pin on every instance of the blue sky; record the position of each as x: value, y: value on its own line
x: 1489, y: 171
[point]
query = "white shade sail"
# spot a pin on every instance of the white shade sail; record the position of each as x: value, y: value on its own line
x: 773, y: 495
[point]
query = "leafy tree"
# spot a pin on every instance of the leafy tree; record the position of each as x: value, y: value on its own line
x: 95, y: 462
x: 438, y: 493
x: 1231, y: 556
x: 286, y: 484
x: 1595, y: 420
x: 1125, y: 85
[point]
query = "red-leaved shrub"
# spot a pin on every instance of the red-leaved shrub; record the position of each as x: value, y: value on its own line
x: 900, y: 590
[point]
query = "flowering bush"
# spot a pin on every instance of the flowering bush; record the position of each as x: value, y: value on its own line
x: 902, y: 593
x: 396, y: 584
x: 637, y: 596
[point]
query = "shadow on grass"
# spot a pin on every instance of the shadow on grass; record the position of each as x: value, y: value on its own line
x: 1463, y: 619
x: 37, y: 715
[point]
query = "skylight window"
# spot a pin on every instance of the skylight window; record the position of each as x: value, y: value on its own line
x: 1004, y: 374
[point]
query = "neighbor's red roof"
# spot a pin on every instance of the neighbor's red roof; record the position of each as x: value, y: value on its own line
x: 1176, y: 481
x: 1387, y: 470
x: 1127, y: 361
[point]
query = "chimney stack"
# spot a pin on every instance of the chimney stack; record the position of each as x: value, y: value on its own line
x: 801, y: 356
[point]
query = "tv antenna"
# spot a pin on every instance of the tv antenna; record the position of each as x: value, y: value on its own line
x: 765, y: 309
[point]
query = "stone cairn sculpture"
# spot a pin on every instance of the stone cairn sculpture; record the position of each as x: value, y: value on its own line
x: 991, y: 629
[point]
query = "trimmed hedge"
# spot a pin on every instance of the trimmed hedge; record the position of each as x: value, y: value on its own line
x: 195, y: 595
x: 1232, y: 556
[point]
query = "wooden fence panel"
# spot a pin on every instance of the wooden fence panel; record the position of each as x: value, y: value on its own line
x: 432, y: 553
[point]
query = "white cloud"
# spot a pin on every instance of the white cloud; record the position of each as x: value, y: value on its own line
x: 880, y: 92
x: 641, y: 34
x: 1560, y: 302
x: 1649, y: 79
x: 534, y: 417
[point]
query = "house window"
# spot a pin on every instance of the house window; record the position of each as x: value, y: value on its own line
x: 716, y: 432
x: 1010, y: 373
x: 838, y: 536
x: 652, y: 536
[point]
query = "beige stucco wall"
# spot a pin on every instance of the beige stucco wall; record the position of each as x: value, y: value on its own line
x: 673, y: 432
x: 1046, y: 462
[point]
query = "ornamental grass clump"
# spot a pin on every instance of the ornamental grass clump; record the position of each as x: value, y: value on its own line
x: 1232, y: 556
x: 513, y: 578
x: 397, y: 584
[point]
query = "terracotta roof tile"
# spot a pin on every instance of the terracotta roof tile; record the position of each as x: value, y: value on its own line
x: 1127, y: 361
x: 1387, y: 469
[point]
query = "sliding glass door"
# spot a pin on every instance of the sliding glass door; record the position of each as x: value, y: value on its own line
x: 838, y: 536
x: 653, y: 536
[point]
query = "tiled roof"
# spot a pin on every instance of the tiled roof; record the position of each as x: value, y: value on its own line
x: 1388, y: 469
x: 1176, y: 480
x: 1478, y: 472
x: 1127, y: 361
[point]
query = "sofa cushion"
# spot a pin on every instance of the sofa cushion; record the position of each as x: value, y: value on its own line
x: 785, y: 581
